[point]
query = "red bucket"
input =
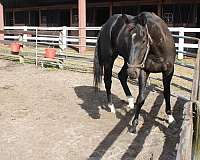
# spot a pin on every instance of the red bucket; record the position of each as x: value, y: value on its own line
x: 15, y: 47
x: 50, y: 53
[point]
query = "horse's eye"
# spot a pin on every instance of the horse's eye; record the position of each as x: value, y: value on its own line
x: 143, y: 41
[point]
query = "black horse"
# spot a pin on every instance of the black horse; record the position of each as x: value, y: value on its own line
x: 146, y: 45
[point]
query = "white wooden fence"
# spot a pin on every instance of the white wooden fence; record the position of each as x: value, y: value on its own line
x: 64, y: 39
x: 180, y: 33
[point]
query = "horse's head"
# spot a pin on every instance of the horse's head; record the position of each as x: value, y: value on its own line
x: 138, y: 42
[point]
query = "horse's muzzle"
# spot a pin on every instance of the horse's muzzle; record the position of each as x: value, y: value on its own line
x: 133, y: 73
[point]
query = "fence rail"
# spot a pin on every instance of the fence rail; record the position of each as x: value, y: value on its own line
x: 195, y: 98
x: 184, y: 150
x: 63, y: 34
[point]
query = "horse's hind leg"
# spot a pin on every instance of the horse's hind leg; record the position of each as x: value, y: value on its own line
x: 108, y: 82
x: 123, y: 76
x: 140, y: 99
x: 167, y: 77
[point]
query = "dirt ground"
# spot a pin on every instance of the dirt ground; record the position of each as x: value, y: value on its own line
x: 55, y: 115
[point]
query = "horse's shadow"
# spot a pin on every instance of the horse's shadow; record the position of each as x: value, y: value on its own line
x: 172, y: 134
x: 93, y: 102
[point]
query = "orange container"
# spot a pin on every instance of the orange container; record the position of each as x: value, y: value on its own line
x: 15, y: 47
x: 50, y: 53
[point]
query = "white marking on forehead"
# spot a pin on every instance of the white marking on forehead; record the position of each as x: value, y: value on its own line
x: 133, y: 36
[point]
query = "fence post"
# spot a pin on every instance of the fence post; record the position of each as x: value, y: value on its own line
x: 36, y: 46
x: 64, y: 38
x: 67, y: 34
x: 25, y: 35
x: 82, y: 25
x: 181, y: 43
x: 1, y: 20
x: 197, y: 118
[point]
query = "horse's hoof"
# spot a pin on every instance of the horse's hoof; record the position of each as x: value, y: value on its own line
x: 112, y: 108
x: 132, y: 129
x: 131, y: 111
x: 172, y: 124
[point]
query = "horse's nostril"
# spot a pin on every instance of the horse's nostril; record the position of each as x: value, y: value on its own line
x: 129, y: 71
x: 132, y: 74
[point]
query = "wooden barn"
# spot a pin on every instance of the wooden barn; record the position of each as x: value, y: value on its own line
x: 65, y: 12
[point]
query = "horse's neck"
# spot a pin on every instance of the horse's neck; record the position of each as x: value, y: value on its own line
x: 117, y: 40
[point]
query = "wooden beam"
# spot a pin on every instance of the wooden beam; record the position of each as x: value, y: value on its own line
x: 20, y: 32
x: 159, y: 10
x: 110, y: 8
x: 1, y: 21
x: 184, y: 151
x: 196, y: 77
x: 82, y: 25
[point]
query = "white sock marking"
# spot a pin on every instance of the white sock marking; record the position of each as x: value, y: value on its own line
x: 112, y: 108
x: 130, y: 102
x: 170, y: 119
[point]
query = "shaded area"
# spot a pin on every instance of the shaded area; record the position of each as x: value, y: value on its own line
x: 135, y: 148
x: 176, y: 85
x: 111, y: 137
x: 84, y: 92
x: 92, y: 102
x: 25, y: 3
x: 173, y: 135
x: 90, y: 105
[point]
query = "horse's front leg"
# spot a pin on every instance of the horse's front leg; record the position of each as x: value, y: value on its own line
x: 123, y: 76
x: 140, y: 99
x: 167, y: 77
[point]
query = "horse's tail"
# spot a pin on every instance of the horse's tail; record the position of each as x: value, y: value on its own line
x: 97, y: 67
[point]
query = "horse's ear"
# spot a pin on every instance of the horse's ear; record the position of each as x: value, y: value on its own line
x: 142, y: 19
x: 125, y: 18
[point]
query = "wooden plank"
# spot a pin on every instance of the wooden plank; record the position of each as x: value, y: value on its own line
x: 197, y: 132
x: 197, y: 127
x: 184, y: 151
x: 20, y: 32
x: 8, y: 42
x: 196, y: 76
